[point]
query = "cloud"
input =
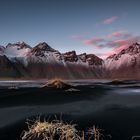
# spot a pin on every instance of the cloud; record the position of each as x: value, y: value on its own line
x: 120, y: 34
x: 121, y: 42
x: 119, y: 48
x: 118, y: 45
x: 113, y: 40
x: 112, y: 43
x: 110, y: 20
x: 93, y: 41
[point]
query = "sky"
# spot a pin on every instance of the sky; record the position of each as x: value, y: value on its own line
x: 101, y: 27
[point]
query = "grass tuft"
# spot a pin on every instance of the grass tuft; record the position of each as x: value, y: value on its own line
x: 58, y: 130
x: 58, y: 84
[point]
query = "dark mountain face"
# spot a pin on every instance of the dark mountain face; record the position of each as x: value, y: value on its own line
x: 91, y: 59
x: 41, y: 49
x: 1, y: 50
x: 70, y: 56
x: 7, y: 68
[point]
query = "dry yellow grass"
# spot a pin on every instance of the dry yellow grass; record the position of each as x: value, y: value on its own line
x: 58, y: 130
x: 57, y: 83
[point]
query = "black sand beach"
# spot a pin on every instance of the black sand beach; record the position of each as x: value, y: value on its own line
x: 113, y: 108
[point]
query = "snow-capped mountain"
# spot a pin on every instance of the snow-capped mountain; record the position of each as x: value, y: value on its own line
x: 125, y: 64
x: 42, y: 61
x: 1, y: 50
x: 7, y: 68
x: 44, y: 53
x: 19, y: 49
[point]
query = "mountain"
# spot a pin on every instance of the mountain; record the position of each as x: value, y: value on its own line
x: 19, y: 49
x: 1, y: 50
x: 125, y: 64
x: 42, y: 61
x: 46, y: 62
x: 7, y: 68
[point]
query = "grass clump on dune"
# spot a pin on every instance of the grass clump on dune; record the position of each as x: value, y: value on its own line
x: 58, y: 130
x: 57, y: 83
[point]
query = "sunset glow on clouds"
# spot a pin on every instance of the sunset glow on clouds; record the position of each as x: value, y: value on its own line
x: 90, y: 26
x: 122, y: 34
x: 110, y: 20
x: 115, y: 42
x: 94, y: 41
x: 111, y: 43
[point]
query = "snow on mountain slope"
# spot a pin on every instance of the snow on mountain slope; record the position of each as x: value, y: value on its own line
x: 126, y: 57
x: 44, y: 53
x: 124, y: 60
x: 42, y: 61
x: 17, y: 50
x: 48, y: 62
x: 124, y: 64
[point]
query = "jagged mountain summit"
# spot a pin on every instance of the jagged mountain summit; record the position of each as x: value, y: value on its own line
x: 125, y: 64
x: 41, y: 49
x: 19, y: 49
x: 42, y: 61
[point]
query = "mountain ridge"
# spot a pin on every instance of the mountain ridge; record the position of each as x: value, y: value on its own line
x: 42, y: 61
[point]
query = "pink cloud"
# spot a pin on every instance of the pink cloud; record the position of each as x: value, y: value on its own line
x: 110, y: 20
x: 119, y: 45
x: 114, y: 42
x: 121, y: 42
x: 126, y: 43
x: 93, y: 41
x: 120, y: 34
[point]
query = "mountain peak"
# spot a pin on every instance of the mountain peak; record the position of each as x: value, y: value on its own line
x: 91, y: 59
x: 21, y: 45
x: 136, y: 44
x: 41, y: 48
x: 70, y: 56
x: 44, y: 47
x: 131, y: 50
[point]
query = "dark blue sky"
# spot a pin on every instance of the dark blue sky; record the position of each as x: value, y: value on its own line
x: 68, y: 24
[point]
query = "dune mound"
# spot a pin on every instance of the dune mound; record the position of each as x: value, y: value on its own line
x: 59, y: 84
x: 116, y: 82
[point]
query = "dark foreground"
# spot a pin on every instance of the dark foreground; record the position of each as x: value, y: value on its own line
x: 111, y: 107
